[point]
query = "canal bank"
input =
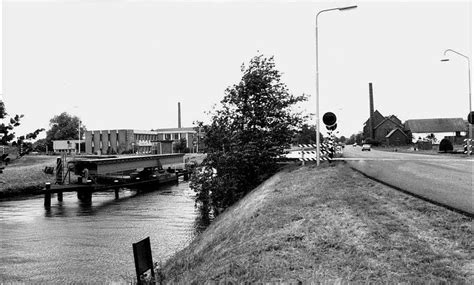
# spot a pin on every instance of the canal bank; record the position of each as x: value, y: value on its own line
x: 25, y: 176
x: 328, y: 224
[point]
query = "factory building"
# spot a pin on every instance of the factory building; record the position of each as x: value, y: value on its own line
x: 160, y: 141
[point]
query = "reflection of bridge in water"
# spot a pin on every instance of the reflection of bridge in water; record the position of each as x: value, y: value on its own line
x: 96, y: 174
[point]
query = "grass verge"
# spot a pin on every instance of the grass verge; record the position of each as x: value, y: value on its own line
x: 328, y: 224
x: 25, y: 175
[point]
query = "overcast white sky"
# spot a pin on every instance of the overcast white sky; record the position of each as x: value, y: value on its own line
x: 126, y: 64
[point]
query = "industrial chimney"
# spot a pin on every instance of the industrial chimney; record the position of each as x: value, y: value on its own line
x: 371, y: 118
x: 179, y: 115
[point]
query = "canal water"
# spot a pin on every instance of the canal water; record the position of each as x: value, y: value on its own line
x: 92, y: 243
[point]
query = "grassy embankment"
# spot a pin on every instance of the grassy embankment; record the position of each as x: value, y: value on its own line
x: 328, y: 224
x: 25, y: 175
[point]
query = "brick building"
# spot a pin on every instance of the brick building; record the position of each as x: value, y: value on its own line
x: 160, y: 141
x: 387, y: 130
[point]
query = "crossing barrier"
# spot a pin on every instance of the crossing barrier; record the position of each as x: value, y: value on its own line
x: 465, y: 146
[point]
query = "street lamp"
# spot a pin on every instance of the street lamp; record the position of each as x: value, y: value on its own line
x: 79, y: 131
x: 318, y: 147
x: 469, y: 80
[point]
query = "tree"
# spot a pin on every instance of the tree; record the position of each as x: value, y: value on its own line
x: 355, y: 138
x: 307, y: 135
x: 40, y: 145
x: 247, y: 134
x: 63, y: 127
x: 181, y: 147
x: 432, y: 138
x: 8, y: 136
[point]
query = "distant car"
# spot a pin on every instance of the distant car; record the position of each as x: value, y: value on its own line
x: 366, y: 146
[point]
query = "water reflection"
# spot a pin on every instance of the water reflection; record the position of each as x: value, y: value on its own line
x: 90, y: 242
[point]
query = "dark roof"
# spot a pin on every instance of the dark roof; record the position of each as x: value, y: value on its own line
x: 375, y: 113
x: 438, y: 125
x: 388, y: 119
x: 393, y: 131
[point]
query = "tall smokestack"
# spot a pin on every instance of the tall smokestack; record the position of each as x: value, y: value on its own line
x: 371, y: 118
x: 179, y: 115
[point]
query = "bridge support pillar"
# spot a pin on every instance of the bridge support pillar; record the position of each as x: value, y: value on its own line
x: 85, y: 195
x: 60, y: 196
x: 116, y: 189
x: 47, y: 196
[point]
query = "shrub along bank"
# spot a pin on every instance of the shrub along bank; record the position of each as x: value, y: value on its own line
x: 328, y: 224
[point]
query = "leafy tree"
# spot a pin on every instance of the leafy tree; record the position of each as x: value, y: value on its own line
x: 8, y: 136
x: 253, y: 126
x: 40, y: 145
x: 355, y: 138
x: 181, y: 147
x: 307, y: 135
x: 432, y: 138
x: 63, y: 127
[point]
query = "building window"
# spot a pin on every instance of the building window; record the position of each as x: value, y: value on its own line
x: 176, y: 136
x: 167, y: 137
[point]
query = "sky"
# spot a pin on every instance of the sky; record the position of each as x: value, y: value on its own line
x: 127, y: 64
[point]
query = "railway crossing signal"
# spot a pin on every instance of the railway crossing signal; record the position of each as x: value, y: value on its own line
x: 329, y: 119
x: 470, y: 117
x: 331, y: 128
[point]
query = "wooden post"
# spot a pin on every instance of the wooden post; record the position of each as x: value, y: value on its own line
x: 85, y: 195
x: 116, y: 189
x: 59, y: 171
x: 47, y: 196
x: 302, y: 156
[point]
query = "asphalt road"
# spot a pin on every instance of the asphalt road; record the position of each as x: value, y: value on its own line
x: 447, y: 180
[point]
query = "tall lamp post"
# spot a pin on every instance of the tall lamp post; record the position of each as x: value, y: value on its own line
x: 469, y: 141
x: 79, y: 133
x: 318, y: 147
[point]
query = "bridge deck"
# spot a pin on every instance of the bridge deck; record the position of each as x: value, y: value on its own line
x: 103, y: 166
x: 103, y: 187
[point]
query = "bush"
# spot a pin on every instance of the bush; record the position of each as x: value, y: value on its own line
x: 445, y: 145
